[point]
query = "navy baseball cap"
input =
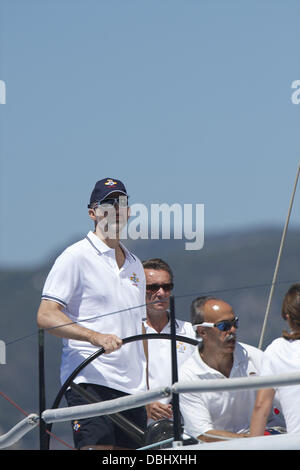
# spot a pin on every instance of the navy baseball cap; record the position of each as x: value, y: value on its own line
x: 105, y: 187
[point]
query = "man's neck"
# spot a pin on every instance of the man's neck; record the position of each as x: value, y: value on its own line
x: 110, y: 242
x: 114, y: 244
x: 219, y: 361
x: 157, y: 322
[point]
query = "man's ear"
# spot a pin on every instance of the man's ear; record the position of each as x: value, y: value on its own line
x: 92, y: 214
x: 201, y: 331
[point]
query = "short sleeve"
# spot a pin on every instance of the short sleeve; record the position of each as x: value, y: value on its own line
x: 62, y: 280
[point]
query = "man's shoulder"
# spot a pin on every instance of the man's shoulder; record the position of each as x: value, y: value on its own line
x: 246, y: 352
x: 71, y: 255
x: 249, y: 348
x: 75, y: 249
x: 185, y: 328
x: 192, y: 367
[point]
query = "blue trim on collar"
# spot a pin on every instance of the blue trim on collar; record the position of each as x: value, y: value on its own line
x: 94, y: 246
x: 126, y: 251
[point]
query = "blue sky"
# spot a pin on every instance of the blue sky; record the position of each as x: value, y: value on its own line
x: 186, y: 101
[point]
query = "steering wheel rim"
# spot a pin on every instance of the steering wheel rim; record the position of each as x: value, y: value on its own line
x: 101, y: 351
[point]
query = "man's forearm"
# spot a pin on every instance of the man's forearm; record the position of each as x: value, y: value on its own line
x: 51, y: 318
x: 56, y: 322
x: 214, y: 435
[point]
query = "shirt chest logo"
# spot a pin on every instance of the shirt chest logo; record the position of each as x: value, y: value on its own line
x: 134, y: 279
x: 181, y: 347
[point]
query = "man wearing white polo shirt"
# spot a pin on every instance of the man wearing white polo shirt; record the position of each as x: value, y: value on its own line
x: 96, y: 288
x: 159, y: 285
x: 225, y: 414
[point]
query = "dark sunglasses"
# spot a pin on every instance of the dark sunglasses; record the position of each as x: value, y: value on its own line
x: 122, y: 201
x: 155, y: 287
x: 224, y: 325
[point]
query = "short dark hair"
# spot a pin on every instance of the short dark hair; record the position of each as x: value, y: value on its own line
x: 158, y: 265
x: 197, y: 312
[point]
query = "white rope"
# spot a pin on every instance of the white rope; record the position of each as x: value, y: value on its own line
x: 19, y: 430
x: 104, y: 408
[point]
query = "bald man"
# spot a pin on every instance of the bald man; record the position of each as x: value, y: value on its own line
x: 211, y: 416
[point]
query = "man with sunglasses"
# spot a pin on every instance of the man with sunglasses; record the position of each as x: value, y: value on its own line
x: 159, y: 286
x: 210, y: 416
x: 93, y: 297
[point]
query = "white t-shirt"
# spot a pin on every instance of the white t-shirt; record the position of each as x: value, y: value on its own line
x: 160, y: 357
x: 87, y: 281
x: 281, y: 357
x: 224, y: 410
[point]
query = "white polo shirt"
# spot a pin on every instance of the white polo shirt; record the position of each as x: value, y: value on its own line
x: 225, y: 410
x: 281, y: 357
x: 160, y: 357
x: 87, y: 281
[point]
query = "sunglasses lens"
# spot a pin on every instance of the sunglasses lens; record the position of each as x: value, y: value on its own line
x: 155, y: 287
x: 226, y: 325
x: 122, y: 201
x: 109, y: 202
x: 167, y: 286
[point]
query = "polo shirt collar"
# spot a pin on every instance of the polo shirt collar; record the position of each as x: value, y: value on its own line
x: 98, y: 244
x: 201, y: 366
x: 166, y: 327
x: 238, y: 357
x: 101, y: 247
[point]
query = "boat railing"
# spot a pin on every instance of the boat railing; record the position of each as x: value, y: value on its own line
x: 103, y: 408
x: 238, y: 383
x: 133, y: 401
x: 19, y: 430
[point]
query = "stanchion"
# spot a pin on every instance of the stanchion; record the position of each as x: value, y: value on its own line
x: 175, y: 399
x: 42, y: 394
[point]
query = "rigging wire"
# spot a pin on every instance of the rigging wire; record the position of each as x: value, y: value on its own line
x: 193, y: 294
x: 12, y: 402
x: 278, y: 260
